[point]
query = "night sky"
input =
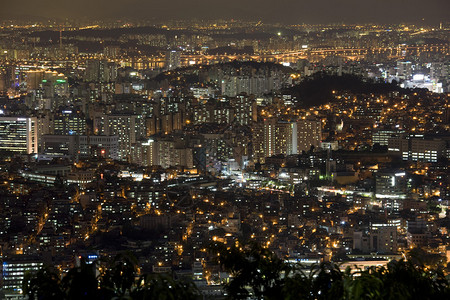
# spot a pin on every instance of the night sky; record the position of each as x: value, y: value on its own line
x: 286, y: 11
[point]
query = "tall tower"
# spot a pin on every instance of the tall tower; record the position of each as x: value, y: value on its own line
x: 60, y: 39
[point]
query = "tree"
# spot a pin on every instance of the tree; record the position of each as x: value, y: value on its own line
x: 45, y: 284
x: 118, y: 279
x: 422, y: 259
x: 257, y: 272
x: 254, y: 267
x: 164, y: 287
x: 80, y: 283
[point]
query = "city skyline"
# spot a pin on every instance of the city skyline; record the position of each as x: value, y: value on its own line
x: 224, y: 150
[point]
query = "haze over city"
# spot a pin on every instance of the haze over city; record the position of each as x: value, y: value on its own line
x: 284, y: 11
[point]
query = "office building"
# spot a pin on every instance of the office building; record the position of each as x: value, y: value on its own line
x: 14, y: 270
x: 390, y: 184
x: 380, y: 239
x: 79, y: 146
x: 18, y: 134
x: 417, y: 148
x: 382, y: 136
x: 69, y: 122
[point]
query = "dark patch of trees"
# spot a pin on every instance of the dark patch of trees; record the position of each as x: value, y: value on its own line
x: 258, y: 272
x: 117, y: 279
x: 318, y: 88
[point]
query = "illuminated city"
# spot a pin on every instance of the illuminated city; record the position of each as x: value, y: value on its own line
x: 186, y: 151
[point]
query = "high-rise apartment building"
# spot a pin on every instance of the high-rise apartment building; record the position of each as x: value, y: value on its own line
x: 273, y: 137
x: 404, y: 70
x: 309, y: 133
x: 129, y: 128
x: 256, y: 85
x: 173, y: 59
x: 245, y: 109
x: 100, y: 71
x: 162, y: 152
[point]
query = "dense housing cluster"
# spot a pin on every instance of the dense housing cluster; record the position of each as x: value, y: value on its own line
x: 319, y: 143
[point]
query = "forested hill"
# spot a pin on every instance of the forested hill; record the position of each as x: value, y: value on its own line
x: 318, y: 88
